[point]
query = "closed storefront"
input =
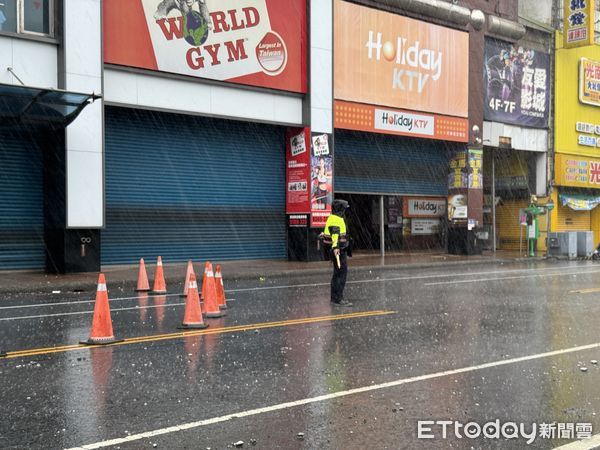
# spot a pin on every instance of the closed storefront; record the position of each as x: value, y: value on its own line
x: 21, y: 201
x: 510, y: 232
x: 382, y: 164
x: 187, y: 187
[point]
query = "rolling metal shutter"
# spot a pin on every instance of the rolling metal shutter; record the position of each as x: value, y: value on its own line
x: 374, y: 163
x: 571, y: 220
x: 188, y: 187
x: 21, y: 202
x: 510, y: 232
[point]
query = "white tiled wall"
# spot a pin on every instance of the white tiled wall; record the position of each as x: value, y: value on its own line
x: 35, y: 63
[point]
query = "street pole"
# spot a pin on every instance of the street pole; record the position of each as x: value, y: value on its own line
x: 381, y: 227
x: 493, y: 202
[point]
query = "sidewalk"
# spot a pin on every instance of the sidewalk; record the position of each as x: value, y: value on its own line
x: 126, y: 276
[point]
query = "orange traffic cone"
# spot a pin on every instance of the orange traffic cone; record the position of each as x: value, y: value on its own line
x: 102, y: 330
x: 209, y: 293
x: 142, y: 284
x: 192, y: 317
x: 221, y: 300
x: 160, y: 287
x: 190, y: 269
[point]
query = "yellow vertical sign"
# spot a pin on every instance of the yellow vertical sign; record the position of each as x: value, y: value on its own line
x: 578, y: 23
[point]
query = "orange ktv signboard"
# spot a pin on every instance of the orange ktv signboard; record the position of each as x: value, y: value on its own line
x: 386, y: 60
x: 253, y: 42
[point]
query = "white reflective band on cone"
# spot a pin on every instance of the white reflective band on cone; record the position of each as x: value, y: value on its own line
x: 209, y: 274
x: 193, y: 285
x: 101, y: 287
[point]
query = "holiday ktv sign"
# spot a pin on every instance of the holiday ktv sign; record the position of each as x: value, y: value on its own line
x: 253, y: 42
x: 390, y: 69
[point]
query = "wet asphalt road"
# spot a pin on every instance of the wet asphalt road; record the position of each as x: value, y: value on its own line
x: 416, y: 323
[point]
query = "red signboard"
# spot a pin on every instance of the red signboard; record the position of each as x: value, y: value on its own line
x: 253, y: 42
x: 298, y: 171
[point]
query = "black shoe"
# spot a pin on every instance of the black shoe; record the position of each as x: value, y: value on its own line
x: 344, y: 303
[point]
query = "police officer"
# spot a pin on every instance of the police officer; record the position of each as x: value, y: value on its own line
x: 335, y: 235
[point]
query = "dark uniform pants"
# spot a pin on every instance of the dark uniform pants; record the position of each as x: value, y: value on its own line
x: 338, y: 280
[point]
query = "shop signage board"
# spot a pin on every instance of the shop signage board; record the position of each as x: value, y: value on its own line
x: 589, y: 82
x: 298, y: 171
x: 577, y: 171
x: 254, y: 42
x: 361, y: 117
x: 457, y: 207
x: 424, y: 207
x: 577, y: 111
x: 424, y: 226
x: 393, y: 61
x: 578, y: 23
x: 517, y: 82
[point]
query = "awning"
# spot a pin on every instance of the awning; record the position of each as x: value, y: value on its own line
x: 579, y: 202
x: 38, y: 106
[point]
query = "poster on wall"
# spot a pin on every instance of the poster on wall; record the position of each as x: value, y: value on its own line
x: 475, y: 168
x: 321, y: 180
x: 517, y: 82
x: 457, y: 173
x: 297, y: 171
x: 395, y: 206
x: 253, y: 42
x: 386, y: 59
x: 457, y: 207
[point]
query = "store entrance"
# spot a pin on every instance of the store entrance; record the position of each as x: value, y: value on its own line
x: 401, y: 234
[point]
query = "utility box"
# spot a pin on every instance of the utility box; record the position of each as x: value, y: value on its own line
x: 585, y: 244
x: 563, y: 244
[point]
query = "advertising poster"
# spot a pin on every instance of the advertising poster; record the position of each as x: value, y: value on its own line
x: 517, y: 81
x: 578, y: 23
x: 475, y: 168
x: 297, y: 171
x: 395, y: 206
x: 386, y: 59
x: 457, y: 174
x: 321, y: 180
x: 589, y: 82
x: 253, y: 42
x: 457, y: 207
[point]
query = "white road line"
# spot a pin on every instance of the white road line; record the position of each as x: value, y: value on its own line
x: 321, y: 398
x: 293, y: 286
x: 79, y: 302
x: 585, y: 444
x: 512, y: 278
x: 411, y: 278
x: 79, y: 313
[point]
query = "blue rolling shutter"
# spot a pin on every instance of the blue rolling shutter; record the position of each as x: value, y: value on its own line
x: 187, y: 187
x: 21, y: 202
x: 382, y: 164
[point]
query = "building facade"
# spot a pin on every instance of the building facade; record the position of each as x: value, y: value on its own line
x: 198, y: 130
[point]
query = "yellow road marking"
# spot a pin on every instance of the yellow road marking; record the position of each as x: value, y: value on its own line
x: 183, y: 334
x: 585, y: 291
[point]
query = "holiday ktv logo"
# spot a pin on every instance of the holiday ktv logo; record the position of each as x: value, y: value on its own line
x: 415, y: 66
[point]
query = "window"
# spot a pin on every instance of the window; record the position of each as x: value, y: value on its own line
x: 27, y: 16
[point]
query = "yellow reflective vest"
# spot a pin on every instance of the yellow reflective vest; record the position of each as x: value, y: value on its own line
x: 335, y: 229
